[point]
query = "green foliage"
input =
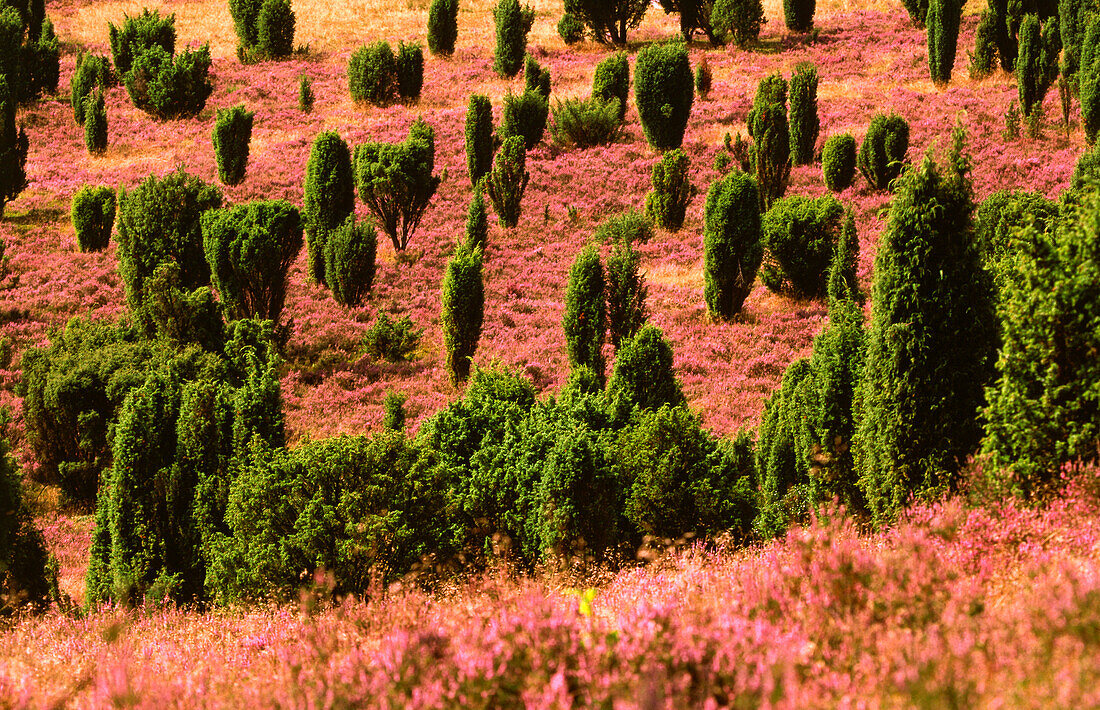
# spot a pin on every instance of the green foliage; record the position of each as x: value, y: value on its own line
x: 838, y: 161
x: 275, y: 29
x: 629, y: 226
x: 1002, y: 215
x: 24, y: 578
x: 703, y: 77
x: 245, y: 13
x: 43, y: 60
x: 232, y: 134
x: 372, y: 74
x: 95, y: 123
x: 608, y: 20
x: 644, y: 376
x: 772, y: 89
x: 524, y: 115
x: 983, y: 60
x: 1042, y: 410
x: 804, y: 124
x: 507, y: 181
x: 159, y: 222
x: 1037, y: 62
x: 305, y: 94
x: 943, y: 38
x: 91, y: 71
x: 732, y: 249
x: 663, y: 93
x: 798, y: 15
x: 570, y: 29
x: 1089, y: 82
x: 626, y: 292
x: 535, y: 76
x: 177, y: 315
x: 882, y: 154
x: 395, y: 181
x: 13, y: 149
x: 329, y: 196
x: 772, y: 153
x: 72, y: 390
x: 410, y: 70
x: 918, y: 10
x: 799, y: 235
x: 93, y: 217
x: 250, y: 249
x: 677, y: 478
x: 611, y: 81
x: 586, y: 122
x: 138, y: 34
x: 463, y: 309
x: 1073, y: 20
x: 585, y: 321
x: 672, y: 190
x: 843, y: 282
x: 931, y: 344
x: 739, y: 20
x: 393, y: 416
x: 392, y: 340
x: 350, y: 252
x: 168, y: 87
x: 513, y: 22
x: 477, y: 220
x: 479, y: 137
x: 442, y: 27
x: 804, y: 456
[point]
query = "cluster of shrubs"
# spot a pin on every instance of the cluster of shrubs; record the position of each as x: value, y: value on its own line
x: 265, y: 29
x: 29, y: 50
x: 376, y: 75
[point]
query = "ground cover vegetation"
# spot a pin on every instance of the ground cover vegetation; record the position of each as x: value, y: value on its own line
x: 843, y: 364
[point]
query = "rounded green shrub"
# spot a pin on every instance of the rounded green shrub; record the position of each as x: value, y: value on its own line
x: 168, y: 87
x: 350, y: 252
x: 799, y: 235
x: 732, y: 249
x: 232, y: 135
x: 570, y: 29
x: 410, y: 70
x: 138, y: 34
x: 524, y: 115
x: 672, y: 190
x: 663, y: 92
x: 611, y: 82
x: 584, y: 123
x: 626, y: 292
x: 442, y: 27
x: 275, y: 29
x: 644, y: 375
x: 372, y: 74
x: 804, y: 122
x: 507, y: 181
x: 93, y: 217
x: 585, y: 320
x: 882, y: 154
x: 838, y: 161
x: 739, y: 20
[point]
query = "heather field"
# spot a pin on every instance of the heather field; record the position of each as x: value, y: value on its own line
x: 971, y: 599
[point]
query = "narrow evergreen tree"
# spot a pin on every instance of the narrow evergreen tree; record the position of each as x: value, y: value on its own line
x: 463, y: 309
x: 804, y: 122
x: 305, y: 94
x: 13, y: 148
x: 329, y: 196
x: 93, y: 217
x: 507, y: 181
x: 943, y: 38
x: 513, y: 22
x: 479, y: 137
x: 393, y: 417
x: 442, y: 27
x: 350, y: 253
x: 477, y: 220
x: 838, y: 162
x: 232, y: 135
x: 91, y: 71
x: 95, y: 123
x: 536, y: 77
x: 983, y: 60
x: 626, y: 293
x: 931, y: 343
x: 1030, y: 73
x: 275, y: 29
x: 799, y: 14
x: 843, y: 283
x: 882, y: 154
x: 410, y: 70
x: 672, y: 190
x: 663, y: 93
x: 585, y: 321
x: 731, y: 243
x: 772, y: 153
